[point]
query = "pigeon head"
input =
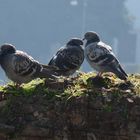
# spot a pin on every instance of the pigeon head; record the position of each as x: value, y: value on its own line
x: 91, y: 36
x: 75, y: 41
x: 7, y: 49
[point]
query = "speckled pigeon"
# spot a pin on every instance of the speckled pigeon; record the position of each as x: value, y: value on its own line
x: 69, y: 57
x: 20, y: 67
x: 101, y: 57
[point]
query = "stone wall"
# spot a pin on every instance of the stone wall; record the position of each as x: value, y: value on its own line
x: 80, y: 118
x: 96, y: 114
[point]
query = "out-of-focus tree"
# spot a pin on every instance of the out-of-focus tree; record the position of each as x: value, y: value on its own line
x: 41, y: 27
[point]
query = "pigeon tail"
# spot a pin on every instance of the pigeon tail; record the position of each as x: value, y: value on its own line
x: 120, y: 74
x: 121, y: 69
x: 55, y: 70
x: 46, y: 73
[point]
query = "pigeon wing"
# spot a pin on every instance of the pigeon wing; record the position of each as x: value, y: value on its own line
x: 53, y: 60
x: 66, y: 58
x: 24, y: 64
x: 110, y: 63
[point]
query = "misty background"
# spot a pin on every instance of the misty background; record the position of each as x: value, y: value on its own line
x: 41, y: 27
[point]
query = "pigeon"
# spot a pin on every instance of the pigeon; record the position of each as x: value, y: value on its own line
x: 101, y: 57
x: 69, y: 57
x: 22, y: 68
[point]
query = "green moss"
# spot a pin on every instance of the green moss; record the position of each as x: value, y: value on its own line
x: 81, y: 85
x: 26, y: 89
x: 75, y: 86
x: 107, y: 108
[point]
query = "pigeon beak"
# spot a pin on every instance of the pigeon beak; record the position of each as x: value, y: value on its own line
x: 83, y: 39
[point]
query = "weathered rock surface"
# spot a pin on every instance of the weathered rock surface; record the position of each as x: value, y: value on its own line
x: 96, y: 113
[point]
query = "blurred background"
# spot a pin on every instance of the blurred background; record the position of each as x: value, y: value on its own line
x: 41, y: 27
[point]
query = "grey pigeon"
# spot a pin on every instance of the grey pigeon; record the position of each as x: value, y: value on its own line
x: 20, y: 67
x: 101, y: 57
x: 69, y: 58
